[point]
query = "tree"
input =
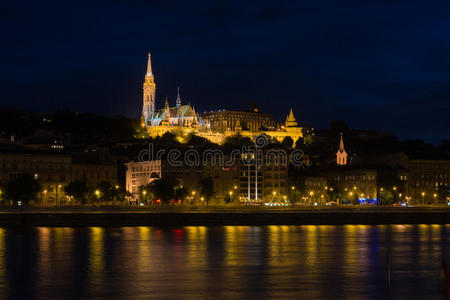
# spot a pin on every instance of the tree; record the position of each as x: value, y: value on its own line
x: 338, y: 126
x: 106, y: 191
x: 299, y: 143
x: 227, y: 199
x: 78, y: 189
x: 334, y: 194
x: 141, y: 132
x: 386, y: 196
x: 181, y: 193
x: 164, y: 188
x: 308, y: 140
x: 146, y: 193
x: 206, y: 185
x: 120, y: 195
x: 389, y: 183
x: 24, y: 189
x: 236, y: 142
x: 2, y: 194
x: 443, y: 193
x: 287, y: 142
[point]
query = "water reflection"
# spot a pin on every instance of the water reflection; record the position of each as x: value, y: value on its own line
x: 328, y: 262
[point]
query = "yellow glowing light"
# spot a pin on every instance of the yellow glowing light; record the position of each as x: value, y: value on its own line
x: 97, y: 192
x: 292, y: 187
x: 235, y: 187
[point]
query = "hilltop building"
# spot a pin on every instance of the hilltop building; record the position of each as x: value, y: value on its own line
x: 215, y: 125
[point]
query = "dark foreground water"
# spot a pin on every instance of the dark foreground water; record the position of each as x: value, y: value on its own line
x: 306, y: 262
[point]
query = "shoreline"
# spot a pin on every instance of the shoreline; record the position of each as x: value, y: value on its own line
x: 209, y: 217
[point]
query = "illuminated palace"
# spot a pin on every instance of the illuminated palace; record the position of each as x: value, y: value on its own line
x: 215, y: 125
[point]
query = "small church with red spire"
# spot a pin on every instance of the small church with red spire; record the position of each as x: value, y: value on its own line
x: 341, y: 155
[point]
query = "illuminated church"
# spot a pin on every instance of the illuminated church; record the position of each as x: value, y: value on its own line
x: 215, y: 126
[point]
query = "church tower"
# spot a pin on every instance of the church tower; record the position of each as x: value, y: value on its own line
x: 178, y: 98
x: 148, y: 108
x: 290, y: 120
x: 341, y: 155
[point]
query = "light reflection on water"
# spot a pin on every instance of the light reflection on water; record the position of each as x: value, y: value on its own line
x: 263, y: 262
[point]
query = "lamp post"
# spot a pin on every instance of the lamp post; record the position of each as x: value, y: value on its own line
x: 193, y: 194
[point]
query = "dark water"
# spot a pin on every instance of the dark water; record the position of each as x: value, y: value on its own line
x: 306, y: 262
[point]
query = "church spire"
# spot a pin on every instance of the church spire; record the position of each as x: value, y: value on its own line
x: 341, y: 155
x: 341, y: 144
x: 149, y: 65
x: 178, y: 98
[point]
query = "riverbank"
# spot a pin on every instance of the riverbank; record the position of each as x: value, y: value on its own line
x: 218, y: 217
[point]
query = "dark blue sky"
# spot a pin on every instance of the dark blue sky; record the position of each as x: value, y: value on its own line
x: 376, y: 64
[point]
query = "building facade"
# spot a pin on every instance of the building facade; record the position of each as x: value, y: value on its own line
x: 426, y: 178
x: 54, y: 171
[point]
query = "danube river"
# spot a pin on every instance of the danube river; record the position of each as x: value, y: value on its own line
x: 253, y: 262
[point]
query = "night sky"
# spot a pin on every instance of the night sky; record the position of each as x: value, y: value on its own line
x: 378, y: 64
